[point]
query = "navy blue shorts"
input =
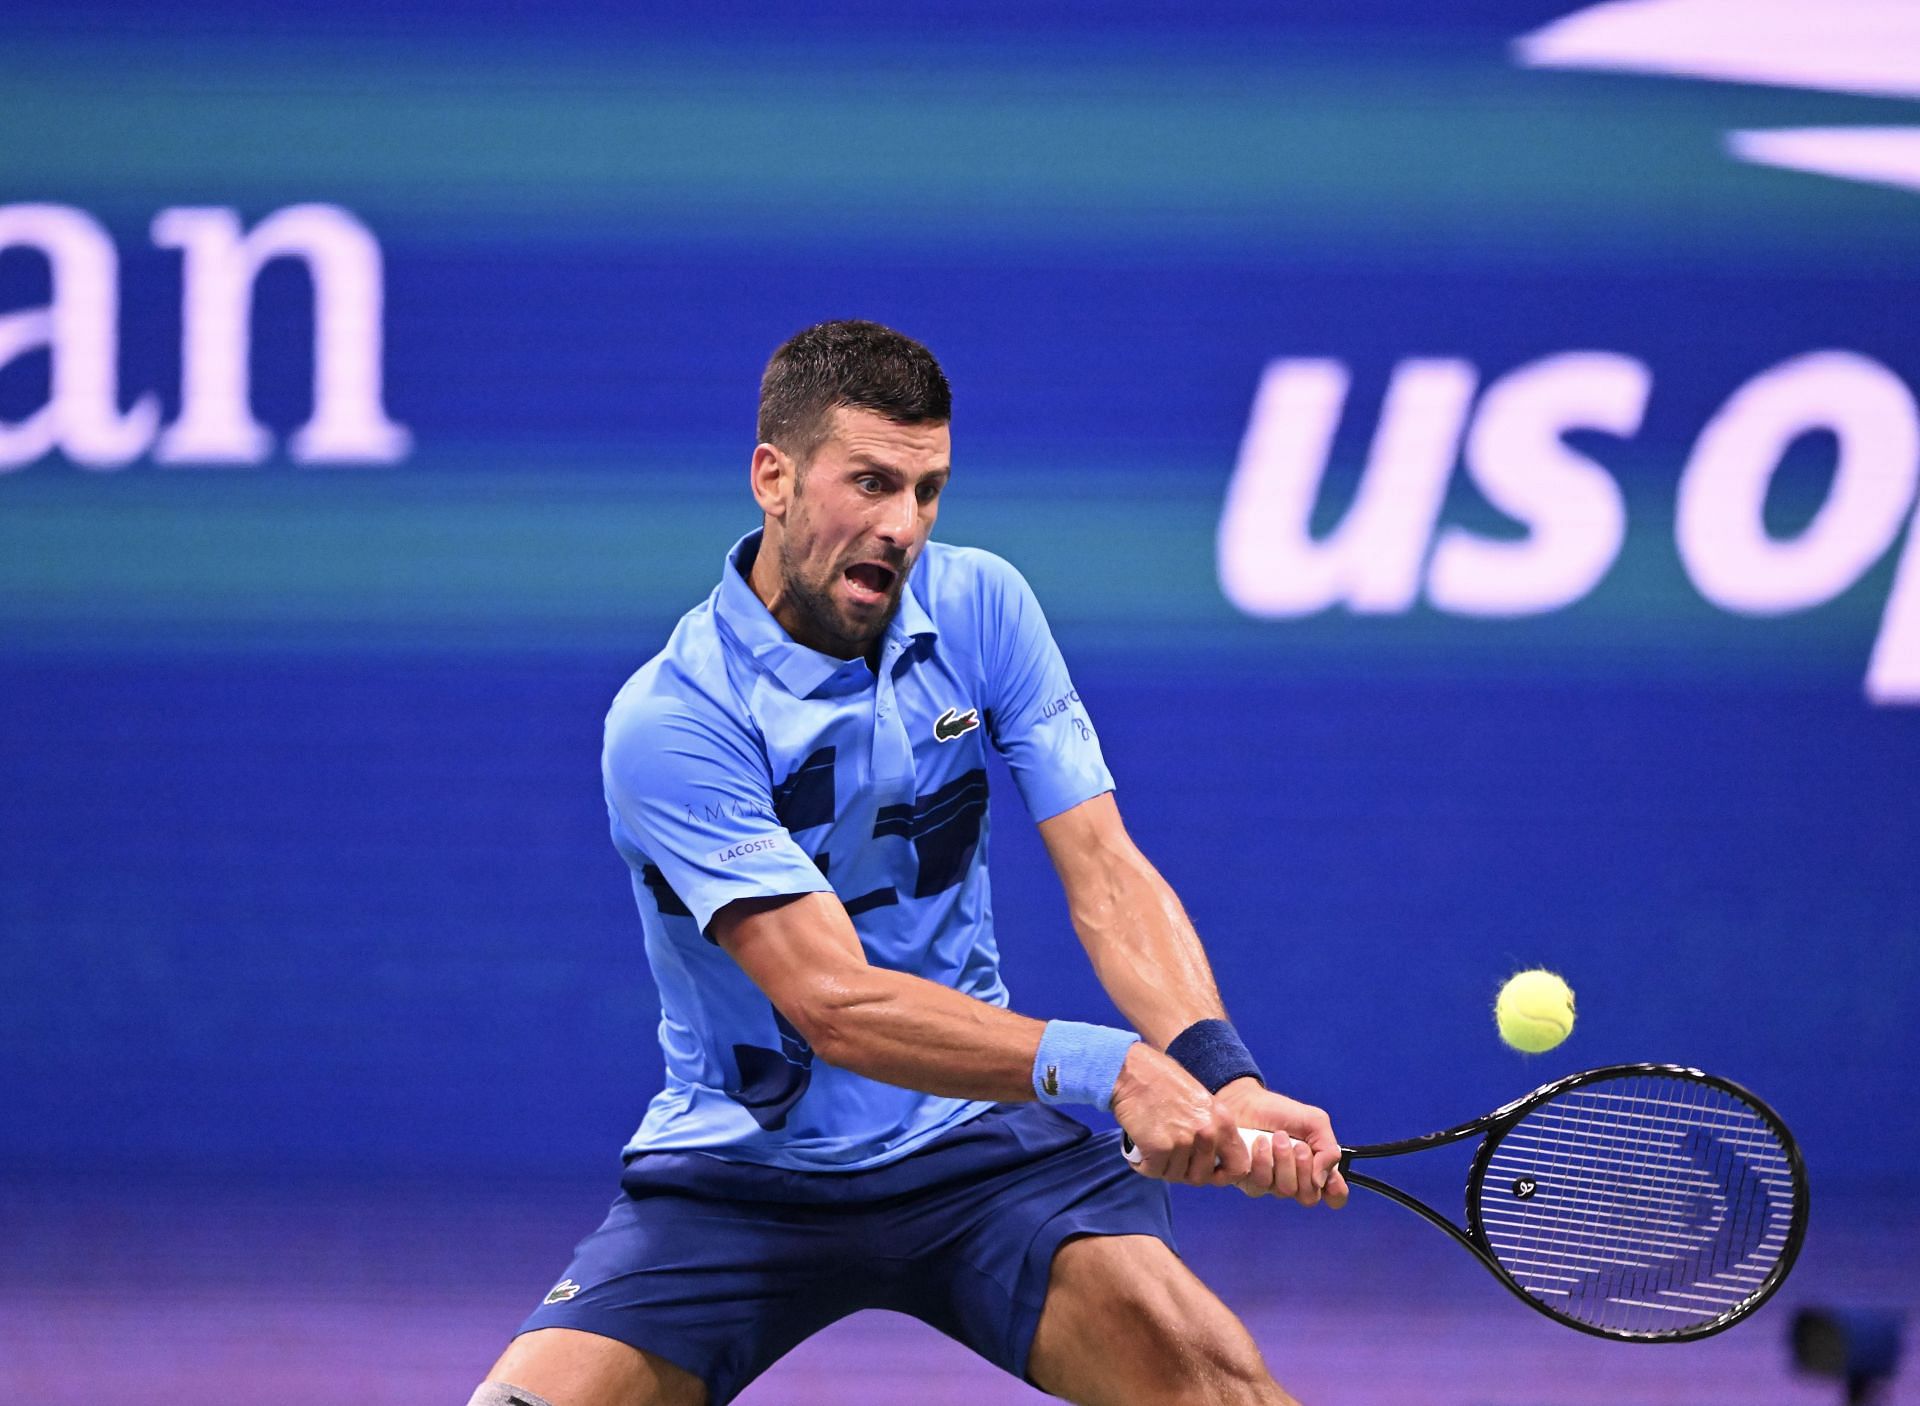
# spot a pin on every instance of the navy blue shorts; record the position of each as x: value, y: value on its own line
x: 722, y: 1267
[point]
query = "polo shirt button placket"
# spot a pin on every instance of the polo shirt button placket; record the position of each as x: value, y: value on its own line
x: 892, y: 750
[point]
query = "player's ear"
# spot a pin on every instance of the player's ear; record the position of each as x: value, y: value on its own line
x: 772, y: 476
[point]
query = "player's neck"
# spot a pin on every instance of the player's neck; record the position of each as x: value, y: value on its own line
x: 768, y: 579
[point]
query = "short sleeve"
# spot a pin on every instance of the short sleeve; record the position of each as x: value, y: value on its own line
x: 1038, y: 722
x: 692, y: 791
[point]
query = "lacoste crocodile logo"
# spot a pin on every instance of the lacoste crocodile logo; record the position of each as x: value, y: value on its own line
x: 561, y: 1292
x: 954, y: 723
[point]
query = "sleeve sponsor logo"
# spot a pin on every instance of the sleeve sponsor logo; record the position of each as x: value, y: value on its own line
x: 735, y: 852
x: 714, y: 812
x: 1060, y: 704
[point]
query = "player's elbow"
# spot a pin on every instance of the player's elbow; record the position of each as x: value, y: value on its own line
x: 835, y: 1017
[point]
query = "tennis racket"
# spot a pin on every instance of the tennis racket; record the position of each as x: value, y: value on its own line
x: 1642, y: 1202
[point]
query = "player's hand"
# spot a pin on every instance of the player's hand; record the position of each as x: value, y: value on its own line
x: 1309, y: 1170
x: 1181, y: 1132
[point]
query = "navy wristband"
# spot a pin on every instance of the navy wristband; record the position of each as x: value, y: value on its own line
x: 1079, y: 1063
x: 1211, y: 1051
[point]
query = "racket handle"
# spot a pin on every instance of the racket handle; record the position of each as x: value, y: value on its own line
x: 1249, y: 1136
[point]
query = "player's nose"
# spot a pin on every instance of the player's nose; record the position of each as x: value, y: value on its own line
x: 899, y: 520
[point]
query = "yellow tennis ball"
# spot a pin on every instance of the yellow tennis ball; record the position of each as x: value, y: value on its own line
x: 1534, y: 1011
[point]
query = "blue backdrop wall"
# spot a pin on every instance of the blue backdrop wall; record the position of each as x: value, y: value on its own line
x: 1468, y: 459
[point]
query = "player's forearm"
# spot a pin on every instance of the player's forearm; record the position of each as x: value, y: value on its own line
x: 1143, y: 946
x: 903, y: 1030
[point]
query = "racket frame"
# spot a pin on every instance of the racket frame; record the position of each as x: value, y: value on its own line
x: 1497, y: 1124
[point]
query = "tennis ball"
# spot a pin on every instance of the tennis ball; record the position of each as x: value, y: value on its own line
x: 1534, y: 1011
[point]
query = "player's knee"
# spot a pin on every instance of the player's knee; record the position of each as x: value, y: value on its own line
x: 501, y: 1394
x: 1226, y: 1369
x: 1198, y: 1352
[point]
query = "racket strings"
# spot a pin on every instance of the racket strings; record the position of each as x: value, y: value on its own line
x: 1643, y: 1204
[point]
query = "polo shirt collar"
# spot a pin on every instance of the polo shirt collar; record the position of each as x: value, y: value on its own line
x: 800, y: 669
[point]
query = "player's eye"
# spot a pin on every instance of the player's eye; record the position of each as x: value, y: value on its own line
x: 929, y: 491
x: 869, y: 483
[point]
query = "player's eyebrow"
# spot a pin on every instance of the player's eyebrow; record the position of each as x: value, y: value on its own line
x: 868, y: 462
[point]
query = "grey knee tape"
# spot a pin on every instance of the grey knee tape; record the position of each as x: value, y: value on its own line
x: 500, y: 1394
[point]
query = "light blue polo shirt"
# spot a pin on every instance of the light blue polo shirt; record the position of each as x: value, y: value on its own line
x: 739, y: 764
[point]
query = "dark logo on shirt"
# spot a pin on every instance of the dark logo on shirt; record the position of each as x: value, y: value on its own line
x: 561, y: 1292
x: 954, y: 723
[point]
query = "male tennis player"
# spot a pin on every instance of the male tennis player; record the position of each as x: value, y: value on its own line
x: 853, y: 1118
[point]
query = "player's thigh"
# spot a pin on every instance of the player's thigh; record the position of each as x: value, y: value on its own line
x: 572, y: 1368
x: 1125, y: 1321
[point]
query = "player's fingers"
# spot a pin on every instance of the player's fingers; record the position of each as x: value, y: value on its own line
x: 1304, y: 1189
x: 1335, y: 1196
x: 1235, y: 1159
x: 1156, y: 1162
x: 1318, y: 1134
x: 1286, y: 1167
x: 1203, y: 1164
x: 1259, y: 1178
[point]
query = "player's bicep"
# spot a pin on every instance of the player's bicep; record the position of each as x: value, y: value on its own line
x: 1039, y: 723
x: 1111, y: 887
x: 802, y: 951
x: 1086, y: 842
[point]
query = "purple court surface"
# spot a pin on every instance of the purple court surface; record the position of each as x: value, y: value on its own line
x: 298, y: 1295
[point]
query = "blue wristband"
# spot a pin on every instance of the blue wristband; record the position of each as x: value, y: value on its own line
x: 1079, y: 1063
x: 1211, y: 1051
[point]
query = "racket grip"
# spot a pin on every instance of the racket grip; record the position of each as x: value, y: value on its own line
x: 1247, y: 1135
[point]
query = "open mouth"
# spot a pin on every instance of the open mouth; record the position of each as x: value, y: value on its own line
x: 871, y: 581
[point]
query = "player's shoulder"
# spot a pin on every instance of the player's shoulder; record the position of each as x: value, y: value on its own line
x: 957, y: 566
x: 976, y: 596
x: 958, y: 580
x: 687, y: 685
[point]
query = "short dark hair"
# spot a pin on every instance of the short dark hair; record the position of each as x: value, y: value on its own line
x: 861, y: 365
